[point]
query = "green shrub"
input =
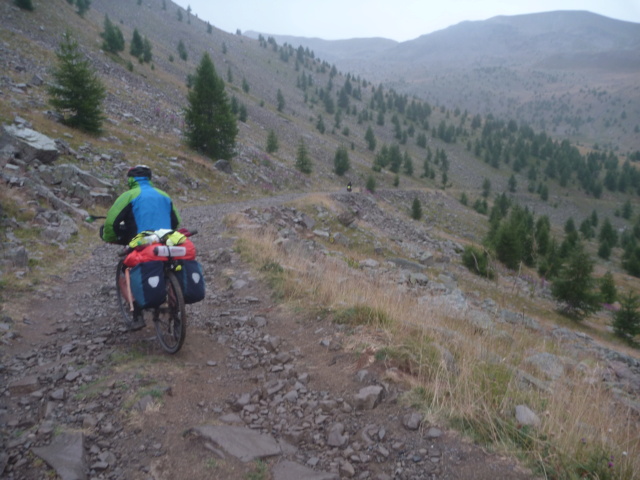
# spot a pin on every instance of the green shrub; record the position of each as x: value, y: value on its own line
x: 477, y: 261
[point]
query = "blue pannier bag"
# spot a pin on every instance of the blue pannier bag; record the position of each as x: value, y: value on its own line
x: 148, y: 284
x: 191, y: 280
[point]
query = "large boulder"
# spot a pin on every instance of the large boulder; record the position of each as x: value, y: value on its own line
x: 28, y: 145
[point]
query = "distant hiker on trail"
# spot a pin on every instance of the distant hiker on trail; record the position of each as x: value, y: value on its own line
x: 349, y: 187
x: 141, y: 208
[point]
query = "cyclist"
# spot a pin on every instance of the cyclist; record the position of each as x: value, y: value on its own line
x: 141, y: 208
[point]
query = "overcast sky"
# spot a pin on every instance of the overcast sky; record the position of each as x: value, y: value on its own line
x: 394, y: 19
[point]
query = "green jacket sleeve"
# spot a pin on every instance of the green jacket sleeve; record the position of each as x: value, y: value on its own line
x: 108, y: 232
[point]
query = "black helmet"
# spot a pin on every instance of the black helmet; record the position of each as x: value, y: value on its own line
x: 139, y: 171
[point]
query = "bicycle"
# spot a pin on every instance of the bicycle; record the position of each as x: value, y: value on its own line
x: 169, y: 317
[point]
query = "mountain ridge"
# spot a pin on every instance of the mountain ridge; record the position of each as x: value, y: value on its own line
x: 516, y: 67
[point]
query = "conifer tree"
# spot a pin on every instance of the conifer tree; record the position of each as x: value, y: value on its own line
x: 82, y: 6
x: 24, y: 4
x: 371, y: 184
x: 416, y: 209
x: 77, y: 89
x: 147, y: 48
x: 303, y: 161
x: 182, y: 51
x: 608, y: 291
x: 370, y: 138
x: 137, y: 45
x: 341, y: 161
x: 272, y: 142
x: 626, y: 321
x: 112, y: 36
x: 281, y: 101
x: 210, y: 126
x: 574, y: 285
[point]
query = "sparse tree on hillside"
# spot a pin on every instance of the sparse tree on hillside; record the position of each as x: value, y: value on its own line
x: 416, y: 209
x: 182, y: 51
x: 626, y: 321
x: 320, y: 124
x: 76, y: 90
x: 179, y: 14
x: 371, y: 183
x: 370, y: 139
x: 486, y: 188
x: 574, y: 285
x: 112, y: 36
x: 341, y: 161
x: 137, y: 45
x: 82, y: 6
x: 24, y: 4
x: 407, y: 163
x: 164, y: 4
x: 209, y: 28
x: 242, y: 113
x: 210, y: 126
x: 272, y: 142
x: 147, y: 48
x: 281, y: 102
x: 303, y: 161
x: 608, y: 291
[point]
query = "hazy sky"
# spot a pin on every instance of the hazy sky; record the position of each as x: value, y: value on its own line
x: 394, y: 19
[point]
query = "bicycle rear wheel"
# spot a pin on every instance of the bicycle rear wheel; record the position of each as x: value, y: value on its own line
x: 170, y: 318
x: 129, y: 317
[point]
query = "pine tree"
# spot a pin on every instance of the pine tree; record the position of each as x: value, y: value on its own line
x: 371, y: 184
x: 82, y: 6
x: 416, y: 209
x: 574, y: 285
x: 24, y: 4
x: 210, y: 126
x: 242, y: 113
x: 608, y: 292
x: 486, y: 188
x: 147, y: 54
x: 341, y: 161
x: 112, y: 36
x: 137, y: 45
x: 370, y: 138
x: 182, y: 50
x: 303, y: 161
x: 281, y: 101
x: 272, y: 142
x: 407, y: 163
x: 77, y: 90
x: 626, y: 321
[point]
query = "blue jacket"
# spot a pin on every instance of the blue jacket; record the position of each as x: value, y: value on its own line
x: 143, y: 207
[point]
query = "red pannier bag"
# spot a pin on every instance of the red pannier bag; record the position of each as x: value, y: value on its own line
x: 161, y: 252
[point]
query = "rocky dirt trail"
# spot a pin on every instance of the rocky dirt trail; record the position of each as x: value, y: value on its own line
x: 255, y: 393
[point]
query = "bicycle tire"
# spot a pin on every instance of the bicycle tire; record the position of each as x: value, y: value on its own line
x: 127, y: 315
x: 170, y: 318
